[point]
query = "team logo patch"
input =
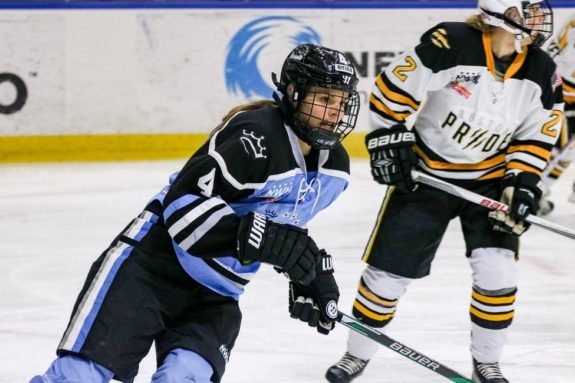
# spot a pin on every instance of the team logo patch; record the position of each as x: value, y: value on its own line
x: 277, y: 192
x: 253, y: 144
x: 331, y: 309
x: 464, y: 83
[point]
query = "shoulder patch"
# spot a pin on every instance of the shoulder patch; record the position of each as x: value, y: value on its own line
x: 253, y: 145
x: 439, y: 38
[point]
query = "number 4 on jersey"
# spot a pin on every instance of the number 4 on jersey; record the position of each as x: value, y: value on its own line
x: 206, y: 183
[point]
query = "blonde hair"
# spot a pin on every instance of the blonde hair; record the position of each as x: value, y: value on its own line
x: 242, y: 108
x: 476, y: 22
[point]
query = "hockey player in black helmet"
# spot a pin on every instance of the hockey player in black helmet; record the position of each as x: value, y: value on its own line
x: 307, y: 70
x: 174, y: 276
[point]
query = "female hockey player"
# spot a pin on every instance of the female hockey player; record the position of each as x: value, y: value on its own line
x: 491, y: 114
x: 174, y: 275
x: 562, y: 50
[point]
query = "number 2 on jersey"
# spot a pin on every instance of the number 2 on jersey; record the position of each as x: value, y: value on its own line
x: 400, y: 70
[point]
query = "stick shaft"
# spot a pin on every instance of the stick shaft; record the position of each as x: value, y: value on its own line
x: 488, y: 202
x: 401, y: 349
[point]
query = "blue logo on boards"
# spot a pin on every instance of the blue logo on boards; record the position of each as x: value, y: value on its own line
x: 263, y: 41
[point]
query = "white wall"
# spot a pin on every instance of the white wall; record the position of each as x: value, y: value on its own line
x: 164, y: 71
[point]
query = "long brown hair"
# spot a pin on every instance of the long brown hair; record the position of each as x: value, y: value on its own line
x: 476, y: 22
x: 242, y: 108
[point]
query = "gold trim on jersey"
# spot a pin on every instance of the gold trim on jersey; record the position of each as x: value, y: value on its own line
x: 440, y: 165
x: 379, y: 105
x: 530, y: 149
x: 497, y: 173
x: 515, y: 164
x: 512, y: 69
x: 394, y: 96
x: 568, y: 88
x: 565, y: 34
x: 375, y: 230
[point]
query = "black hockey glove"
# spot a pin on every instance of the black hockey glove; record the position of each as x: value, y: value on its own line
x: 285, y: 246
x: 316, y: 303
x: 522, y: 194
x: 391, y: 156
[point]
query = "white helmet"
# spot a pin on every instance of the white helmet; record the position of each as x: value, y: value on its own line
x: 527, y: 18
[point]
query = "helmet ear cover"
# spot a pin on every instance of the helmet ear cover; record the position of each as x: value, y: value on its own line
x: 310, y: 66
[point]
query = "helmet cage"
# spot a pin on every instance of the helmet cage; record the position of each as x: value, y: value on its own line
x: 308, y: 67
x: 318, y: 137
x: 536, y: 19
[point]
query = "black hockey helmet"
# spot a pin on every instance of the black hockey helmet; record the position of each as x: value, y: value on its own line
x: 310, y: 66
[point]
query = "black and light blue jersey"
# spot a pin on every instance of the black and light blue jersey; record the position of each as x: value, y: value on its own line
x: 254, y: 163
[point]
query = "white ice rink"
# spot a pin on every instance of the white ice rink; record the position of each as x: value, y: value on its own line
x: 56, y: 219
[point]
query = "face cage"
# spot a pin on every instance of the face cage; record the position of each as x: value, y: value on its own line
x: 538, y: 20
x: 319, y: 138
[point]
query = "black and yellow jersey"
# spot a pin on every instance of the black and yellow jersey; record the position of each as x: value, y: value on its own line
x: 478, y: 117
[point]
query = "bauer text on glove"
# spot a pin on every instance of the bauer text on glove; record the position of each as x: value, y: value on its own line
x: 391, y: 156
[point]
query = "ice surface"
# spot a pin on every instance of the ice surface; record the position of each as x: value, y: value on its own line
x: 55, y: 219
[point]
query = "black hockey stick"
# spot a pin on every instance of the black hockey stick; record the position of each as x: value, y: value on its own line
x: 487, y: 202
x: 401, y: 349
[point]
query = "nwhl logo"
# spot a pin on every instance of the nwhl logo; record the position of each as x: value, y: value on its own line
x: 253, y: 144
x: 390, y: 139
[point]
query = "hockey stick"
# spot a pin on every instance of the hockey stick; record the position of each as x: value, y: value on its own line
x: 487, y: 202
x: 401, y: 349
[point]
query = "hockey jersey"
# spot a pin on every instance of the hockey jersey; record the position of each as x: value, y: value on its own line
x: 254, y: 163
x: 475, y: 120
x: 562, y: 50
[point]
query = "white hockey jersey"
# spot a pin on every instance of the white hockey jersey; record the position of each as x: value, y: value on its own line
x: 562, y: 50
x: 472, y: 122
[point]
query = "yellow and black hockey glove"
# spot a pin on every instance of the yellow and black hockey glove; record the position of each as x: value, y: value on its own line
x: 521, y: 193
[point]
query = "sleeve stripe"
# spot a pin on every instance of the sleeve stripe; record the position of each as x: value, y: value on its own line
x: 192, y: 215
x: 201, y: 230
x: 395, y: 97
x: 178, y: 204
x: 527, y: 158
x: 531, y: 149
x: 380, y: 106
x: 520, y: 165
x: 568, y: 86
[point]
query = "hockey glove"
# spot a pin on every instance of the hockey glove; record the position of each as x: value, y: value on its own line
x: 392, y: 157
x: 284, y: 246
x: 522, y: 194
x: 316, y: 303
